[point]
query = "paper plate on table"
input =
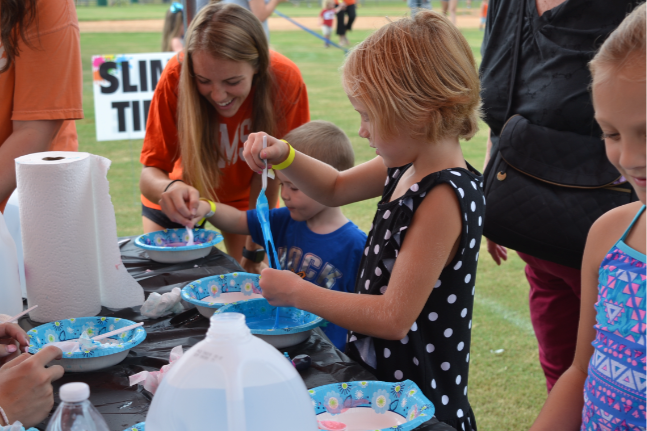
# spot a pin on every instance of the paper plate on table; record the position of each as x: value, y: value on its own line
x: 169, y: 245
x: 139, y: 427
x: 111, y: 352
x: 210, y: 293
x: 296, y: 325
x: 373, y: 405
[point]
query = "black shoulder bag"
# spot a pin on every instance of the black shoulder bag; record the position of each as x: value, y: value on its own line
x: 544, y: 188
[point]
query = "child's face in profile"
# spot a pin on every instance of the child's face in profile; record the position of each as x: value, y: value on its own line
x: 619, y: 102
x: 302, y: 207
x: 394, y: 152
x: 330, y: 5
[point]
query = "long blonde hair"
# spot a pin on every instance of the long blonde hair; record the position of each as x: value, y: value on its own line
x: 416, y: 74
x: 231, y: 32
x: 173, y: 27
x: 625, y: 47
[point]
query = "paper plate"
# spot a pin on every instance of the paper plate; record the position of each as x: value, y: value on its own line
x: 373, y: 405
x: 210, y: 293
x: 159, y: 246
x: 300, y: 322
x: 139, y: 427
x: 70, y: 329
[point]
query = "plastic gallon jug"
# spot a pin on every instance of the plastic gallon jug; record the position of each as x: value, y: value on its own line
x: 232, y: 381
x: 10, y: 293
x: 12, y: 218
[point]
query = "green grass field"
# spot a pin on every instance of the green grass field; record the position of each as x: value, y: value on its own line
x: 125, y: 11
x: 506, y: 390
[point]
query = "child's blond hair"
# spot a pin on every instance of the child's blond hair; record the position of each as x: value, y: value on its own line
x: 325, y: 142
x: 625, y: 47
x: 416, y: 75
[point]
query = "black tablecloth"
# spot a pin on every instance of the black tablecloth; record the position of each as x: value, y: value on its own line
x: 123, y: 405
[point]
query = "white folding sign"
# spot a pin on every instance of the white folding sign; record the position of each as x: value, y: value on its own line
x: 123, y: 88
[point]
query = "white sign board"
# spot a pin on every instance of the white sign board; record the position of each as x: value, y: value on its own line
x: 123, y: 88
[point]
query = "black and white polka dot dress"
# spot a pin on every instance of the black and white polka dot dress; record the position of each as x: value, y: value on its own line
x: 435, y: 352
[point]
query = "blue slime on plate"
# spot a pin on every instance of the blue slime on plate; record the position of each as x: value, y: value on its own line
x: 269, y: 322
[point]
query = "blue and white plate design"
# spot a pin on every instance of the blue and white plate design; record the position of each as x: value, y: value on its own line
x: 403, y: 398
x: 139, y: 427
x: 160, y: 240
x: 260, y: 308
x: 214, y: 286
x: 72, y: 329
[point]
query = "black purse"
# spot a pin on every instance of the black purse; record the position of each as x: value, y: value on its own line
x: 544, y: 188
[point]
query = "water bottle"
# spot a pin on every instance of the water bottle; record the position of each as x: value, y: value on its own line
x: 232, y: 381
x: 76, y: 413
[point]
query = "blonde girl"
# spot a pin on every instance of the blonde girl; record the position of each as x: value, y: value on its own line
x: 415, y: 86
x: 604, y: 389
x: 173, y: 32
x: 225, y: 85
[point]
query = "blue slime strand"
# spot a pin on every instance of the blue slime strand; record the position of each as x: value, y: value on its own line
x: 263, y: 213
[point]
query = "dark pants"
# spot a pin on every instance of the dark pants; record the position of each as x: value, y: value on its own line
x: 160, y: 218
x: 342, y: 25
x: 555, y: 313
x: 350, y: 11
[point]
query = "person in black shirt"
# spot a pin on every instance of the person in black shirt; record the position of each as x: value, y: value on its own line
x: 557, y: 40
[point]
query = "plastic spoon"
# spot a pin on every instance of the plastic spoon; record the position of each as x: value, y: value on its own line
x: 117, y: 331
x: 190, y: 232
x: 88, y: 343
x: 18, y: 316
x: 263, y: 213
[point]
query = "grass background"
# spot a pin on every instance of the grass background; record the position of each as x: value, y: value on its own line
x: 506, y: 390
x: 128, y: 11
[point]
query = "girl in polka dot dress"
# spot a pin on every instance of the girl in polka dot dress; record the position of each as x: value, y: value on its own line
x: 604, y: 389
x: 415, y: 86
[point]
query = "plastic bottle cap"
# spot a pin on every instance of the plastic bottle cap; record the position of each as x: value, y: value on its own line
x: 75, y: 392
x: 228, y: 326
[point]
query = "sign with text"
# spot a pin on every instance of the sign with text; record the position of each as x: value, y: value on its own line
x: 123, y: 88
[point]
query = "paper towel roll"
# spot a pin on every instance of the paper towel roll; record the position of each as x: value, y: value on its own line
x: 72, y: 261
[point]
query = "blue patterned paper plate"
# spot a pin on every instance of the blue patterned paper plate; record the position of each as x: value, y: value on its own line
x: 214, y: 287
x: 261, y: 309
x: 161, y: 239
x: 139, y: 427
x: 373, y: 399
x: 71, y: 329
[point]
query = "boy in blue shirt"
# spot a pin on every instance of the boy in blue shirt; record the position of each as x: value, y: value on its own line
x: 317, y: 241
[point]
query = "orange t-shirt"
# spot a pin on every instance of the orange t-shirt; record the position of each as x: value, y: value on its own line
x: 161, y: 147
x: 45, y: 81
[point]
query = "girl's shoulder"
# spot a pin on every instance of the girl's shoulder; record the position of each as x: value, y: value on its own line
x: 607, y: 230
x: 285, y: 70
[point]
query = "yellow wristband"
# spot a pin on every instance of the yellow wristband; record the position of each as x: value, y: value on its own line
x: 288, y: 161
x: 211, y: 211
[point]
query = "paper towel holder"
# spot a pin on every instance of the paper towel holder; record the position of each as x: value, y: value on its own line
x: 52, y: 159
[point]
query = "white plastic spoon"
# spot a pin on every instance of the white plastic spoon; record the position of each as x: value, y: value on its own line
x: 190, y: 232
x: 18, y: 316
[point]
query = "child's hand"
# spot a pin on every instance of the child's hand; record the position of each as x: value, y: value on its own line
x: 203, y: 208
x: 275, y: 153
x: 279, y: 287
x: 10, y: 335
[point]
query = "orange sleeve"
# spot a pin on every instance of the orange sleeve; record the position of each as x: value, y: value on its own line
x: 161, y: 148
x: 291, y: 108
x: 49, y: 76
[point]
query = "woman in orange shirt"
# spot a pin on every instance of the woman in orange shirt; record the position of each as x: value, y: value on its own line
x: 41, y: 83
x: 224, y: 86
